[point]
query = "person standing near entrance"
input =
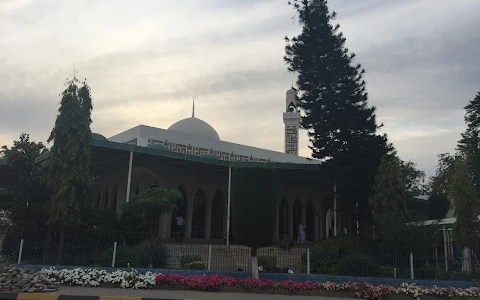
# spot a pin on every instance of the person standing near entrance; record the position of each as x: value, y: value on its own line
x: 301, y: 233
x: 180, y: 227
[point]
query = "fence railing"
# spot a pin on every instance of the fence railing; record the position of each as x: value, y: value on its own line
x: 119, y: 250
x: 238, y: 258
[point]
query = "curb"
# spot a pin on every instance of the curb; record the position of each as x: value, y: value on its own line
x: 47, y: 296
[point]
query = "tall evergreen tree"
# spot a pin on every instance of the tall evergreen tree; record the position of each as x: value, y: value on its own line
x: 389, y: 202
x: 466, y: 229
x: 68, y: 168
x: 333, y: 99
x: 469, y: 143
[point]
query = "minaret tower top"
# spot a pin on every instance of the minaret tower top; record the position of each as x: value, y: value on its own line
x: 291, y: 119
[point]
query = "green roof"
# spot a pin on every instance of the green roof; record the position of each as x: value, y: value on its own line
x: 201, y: 159
x: 209, y: 155
x: 108, y: 145
x: 157, y: 146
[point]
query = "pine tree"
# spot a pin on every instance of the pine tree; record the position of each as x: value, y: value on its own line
x: 68, y: 167
x: 333, y: 99
x: 470, y: 142
x: 389, y: 202
x: 466, y: 229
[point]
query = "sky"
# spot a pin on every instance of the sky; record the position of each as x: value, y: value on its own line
x: 145, y: 60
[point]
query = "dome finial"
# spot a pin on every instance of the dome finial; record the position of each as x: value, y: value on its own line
x: 193, y: 107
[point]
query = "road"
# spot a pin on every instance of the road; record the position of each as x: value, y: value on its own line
x: 180, y: 294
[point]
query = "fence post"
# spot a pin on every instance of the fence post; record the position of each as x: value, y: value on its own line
x: 114, y: 256
x: 412, y: 275
x: 20, y: 251
x: 209, y: 257
x: 308, y: 260
x: 394, y: 272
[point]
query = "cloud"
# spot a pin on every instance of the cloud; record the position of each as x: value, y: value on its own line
x: 145, y: 62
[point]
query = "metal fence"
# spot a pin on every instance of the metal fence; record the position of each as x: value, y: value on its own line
x: 160, y: 253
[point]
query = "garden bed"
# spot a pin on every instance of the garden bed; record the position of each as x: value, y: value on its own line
x: 215, y: 283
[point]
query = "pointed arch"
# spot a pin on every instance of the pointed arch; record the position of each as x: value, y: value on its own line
x: 198, y: 215
x: 283, y: 218
x: 113, y: 205
x: 310, y: 221
x: 181, y: 211
x: 297, y: 217
x: 218, y: 208
x: 105, y: 200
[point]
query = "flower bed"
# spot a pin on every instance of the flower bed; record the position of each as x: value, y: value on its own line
x: 132, y: 279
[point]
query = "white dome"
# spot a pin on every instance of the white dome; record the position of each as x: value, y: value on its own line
x: 195, y: 126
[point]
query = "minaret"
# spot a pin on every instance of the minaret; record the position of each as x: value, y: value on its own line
x: 291, y: 119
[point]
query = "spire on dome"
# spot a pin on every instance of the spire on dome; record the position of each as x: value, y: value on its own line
x: 193, y: 107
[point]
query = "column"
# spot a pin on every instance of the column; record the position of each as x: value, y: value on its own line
x: 290, y: 218
x: 163, y: 224
x: 316, y: 224
x: 188, y: 221
x: 111, y: 196
x: 208, y: 216
x: 276, y: 237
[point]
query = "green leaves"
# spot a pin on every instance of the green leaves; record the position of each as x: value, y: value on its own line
x: 388, y: 201
x: 253, y: 206
x: 334, y: 101
x: 467, y: 206
x: 25, y: 198
x: 68, y: 168
x: 149, y: 205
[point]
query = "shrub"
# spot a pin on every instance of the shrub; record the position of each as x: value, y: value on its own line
x: 196, y: 265
x: 153, y: 253
x: 267, y: 261
x: 125, y: 256
x: 189, y: 258
x: 326, y: 254
x: 357, y: 265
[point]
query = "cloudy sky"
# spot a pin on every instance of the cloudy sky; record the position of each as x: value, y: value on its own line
x: 145, y: 60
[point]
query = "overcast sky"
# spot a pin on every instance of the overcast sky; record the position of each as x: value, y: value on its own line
x: 145, y: 60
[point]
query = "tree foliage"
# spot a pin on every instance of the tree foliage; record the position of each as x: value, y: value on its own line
x: 470, y: 142
x: 25, y: 198
x: 253, y: 209
x: 146, y: 207
x: 334, y: 102
x: 388, y: 201
x: 466, y: 229
x: 68, y: 168
x: 439, y: 187
x: 413, y: 178
x: 253, y: 206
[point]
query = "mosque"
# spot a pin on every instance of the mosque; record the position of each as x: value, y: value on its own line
x: 191, y: 156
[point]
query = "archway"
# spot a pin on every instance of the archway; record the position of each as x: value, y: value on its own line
x: 113, y: 205
x: 105, y: 200
x: 181, y: 211
x: 217, y: 216
x: 198, y: 216
x: 310, y: 221
x: 297, y: 217
x: 283, y: 219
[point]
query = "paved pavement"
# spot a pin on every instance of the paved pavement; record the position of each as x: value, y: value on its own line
x: 180, y: 294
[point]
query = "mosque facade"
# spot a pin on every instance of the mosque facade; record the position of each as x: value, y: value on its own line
x: 205, y: 189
